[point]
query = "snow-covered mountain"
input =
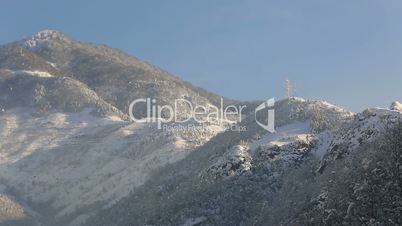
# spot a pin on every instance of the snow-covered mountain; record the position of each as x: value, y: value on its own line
x: 64, y: 145
x: 70, y: 156
x: 259, y: 178
x: 115, y: 76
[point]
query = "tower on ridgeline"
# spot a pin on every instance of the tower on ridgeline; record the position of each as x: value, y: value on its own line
x: 289, y: 89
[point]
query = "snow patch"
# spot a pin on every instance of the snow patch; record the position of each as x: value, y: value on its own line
x: 298, y: 99
x: 284, y: 135
x: 325, y: 139
x: 194, y: 221
x: 42, y: 74
x: 396, y: 106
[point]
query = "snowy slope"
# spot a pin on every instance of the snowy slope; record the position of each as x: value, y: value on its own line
x: 72, y: 161
x: 365, y: 128
x: 225, y: 179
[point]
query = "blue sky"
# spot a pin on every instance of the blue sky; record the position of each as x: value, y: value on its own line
x: 348, y: 52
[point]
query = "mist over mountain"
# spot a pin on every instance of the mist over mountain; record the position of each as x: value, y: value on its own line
x: 70, y: 155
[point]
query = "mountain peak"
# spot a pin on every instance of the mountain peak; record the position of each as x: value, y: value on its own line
x: 43, y: 38
x: 48, y: 33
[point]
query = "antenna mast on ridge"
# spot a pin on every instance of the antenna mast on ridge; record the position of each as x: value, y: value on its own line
x: 289, y: 89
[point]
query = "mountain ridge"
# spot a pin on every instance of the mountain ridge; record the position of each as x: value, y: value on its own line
x: 115, y: 76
